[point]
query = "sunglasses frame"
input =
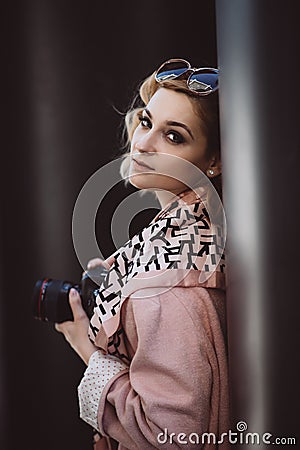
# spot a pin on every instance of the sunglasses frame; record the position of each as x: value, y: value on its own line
x: 183, y: 75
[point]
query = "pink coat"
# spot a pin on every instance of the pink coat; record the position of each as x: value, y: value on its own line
x: 176, y: 386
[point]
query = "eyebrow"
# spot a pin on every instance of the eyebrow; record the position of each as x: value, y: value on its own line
x: 173, y: 122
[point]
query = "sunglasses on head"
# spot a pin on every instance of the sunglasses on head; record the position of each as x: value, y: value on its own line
x: 201, y: 81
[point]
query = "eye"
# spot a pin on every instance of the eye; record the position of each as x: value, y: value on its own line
x: 144, y: 121
x: 175, y: 137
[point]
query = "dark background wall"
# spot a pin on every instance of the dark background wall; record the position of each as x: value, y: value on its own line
x: 67, y: 67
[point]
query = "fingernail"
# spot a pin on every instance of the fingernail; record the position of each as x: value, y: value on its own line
x: 73, y: 292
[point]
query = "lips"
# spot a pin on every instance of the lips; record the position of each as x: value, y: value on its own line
x: 142, y: 164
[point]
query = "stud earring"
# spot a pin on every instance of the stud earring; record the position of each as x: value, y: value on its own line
x: 210, y: 172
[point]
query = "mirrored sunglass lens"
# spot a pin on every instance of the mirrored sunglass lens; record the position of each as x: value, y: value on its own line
x: 203, y: 82
x: 172, y: 70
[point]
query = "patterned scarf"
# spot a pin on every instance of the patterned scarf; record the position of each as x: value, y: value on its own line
x: 179, y: 247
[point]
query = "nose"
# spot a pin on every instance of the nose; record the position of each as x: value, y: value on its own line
x: 145, y: 143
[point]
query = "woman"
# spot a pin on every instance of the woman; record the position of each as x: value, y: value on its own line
x: 156, y: 346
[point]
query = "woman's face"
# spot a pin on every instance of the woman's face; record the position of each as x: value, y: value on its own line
x: 169, y: 128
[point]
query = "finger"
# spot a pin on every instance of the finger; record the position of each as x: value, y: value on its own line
x: 61, y: 326
x: 76, y: 305
x: 95, y: 262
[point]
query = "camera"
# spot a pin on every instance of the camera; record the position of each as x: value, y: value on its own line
x: 50, y: 299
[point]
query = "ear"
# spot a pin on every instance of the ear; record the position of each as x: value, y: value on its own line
x: 214, y: 168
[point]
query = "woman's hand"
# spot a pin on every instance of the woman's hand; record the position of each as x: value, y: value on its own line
x: 95, y: 262
x: 76, y: 332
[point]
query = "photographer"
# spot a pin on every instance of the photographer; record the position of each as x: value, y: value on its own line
x: 155, y: 347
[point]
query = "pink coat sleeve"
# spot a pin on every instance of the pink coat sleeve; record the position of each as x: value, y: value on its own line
x: 177, y: 381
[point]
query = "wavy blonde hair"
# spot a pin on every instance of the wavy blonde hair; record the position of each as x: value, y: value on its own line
x: 205, y: 107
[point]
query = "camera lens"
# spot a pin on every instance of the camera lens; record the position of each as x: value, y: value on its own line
x: 50, y: 300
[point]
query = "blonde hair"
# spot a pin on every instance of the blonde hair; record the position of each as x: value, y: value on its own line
x: 206, y: 107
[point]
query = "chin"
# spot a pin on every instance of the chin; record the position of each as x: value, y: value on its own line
x: 156, y: 183
x: 142, y: 181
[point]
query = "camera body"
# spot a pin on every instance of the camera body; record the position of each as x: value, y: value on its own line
x: 50, y: 299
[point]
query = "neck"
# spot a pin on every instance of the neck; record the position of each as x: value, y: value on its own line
x: 165, y: 197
